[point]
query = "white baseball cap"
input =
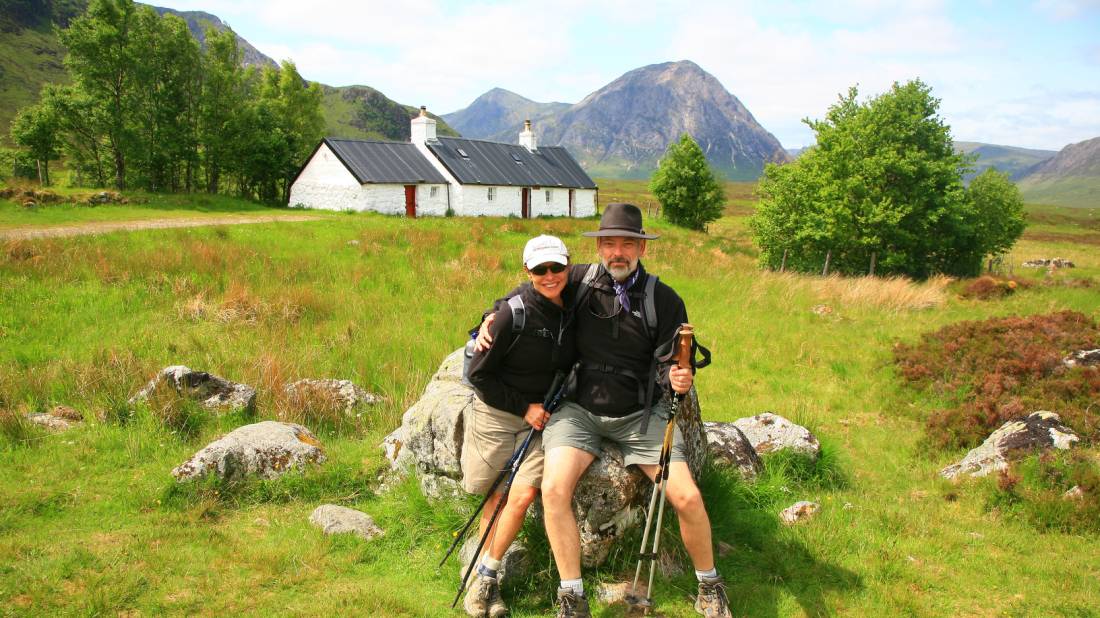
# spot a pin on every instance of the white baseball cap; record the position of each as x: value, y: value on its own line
x: 543, y: 249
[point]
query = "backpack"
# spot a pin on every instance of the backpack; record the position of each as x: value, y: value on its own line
x: 519, y: 320
x: 662, y: 353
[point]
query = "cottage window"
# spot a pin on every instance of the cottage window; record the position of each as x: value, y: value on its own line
x: 433, y: 191
x: 492, y: 193
x: 548, y: 196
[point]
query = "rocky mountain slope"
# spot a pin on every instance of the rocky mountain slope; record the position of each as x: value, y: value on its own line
x: 1070, y: 178
x: 499, y: 114
x: 622, y: 129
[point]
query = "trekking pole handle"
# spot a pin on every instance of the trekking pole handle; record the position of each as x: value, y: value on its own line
x: 683, y: 357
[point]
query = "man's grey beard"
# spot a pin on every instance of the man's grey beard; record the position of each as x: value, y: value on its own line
x: 619, y: 272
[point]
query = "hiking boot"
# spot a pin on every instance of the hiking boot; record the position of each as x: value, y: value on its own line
x: 572, y: 605
x: 483, y: 598
x: 712, y: 601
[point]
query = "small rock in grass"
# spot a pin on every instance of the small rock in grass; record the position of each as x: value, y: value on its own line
x: 266, y: 450
x: 210, y: 391
x: 335, y: 519
x: 342, y: 395
x: 51, y: 422
x: 769, y: 432
x: 1040, y: 430
x: 1074, y: 493
x: 613, y: 593
x: 1083, y: 358
x: 729, y: 445
x: 799, y: 512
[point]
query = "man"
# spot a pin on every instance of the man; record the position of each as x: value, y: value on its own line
x: 616, y: 348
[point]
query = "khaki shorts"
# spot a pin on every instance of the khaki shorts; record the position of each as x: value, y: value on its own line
x: 490, y: 436
x: 575, y: 426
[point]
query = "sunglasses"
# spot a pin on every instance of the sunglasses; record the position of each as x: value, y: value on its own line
x: 541, y: 269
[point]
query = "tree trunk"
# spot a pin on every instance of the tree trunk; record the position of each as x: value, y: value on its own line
x: 783, y: 264
x: 874, y: 255
x: 828, y: 256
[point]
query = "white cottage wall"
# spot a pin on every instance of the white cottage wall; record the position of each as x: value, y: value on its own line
x: 584, y: 203
x: 325, y: 183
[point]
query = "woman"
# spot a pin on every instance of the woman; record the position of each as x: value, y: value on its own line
x: 511, y: 379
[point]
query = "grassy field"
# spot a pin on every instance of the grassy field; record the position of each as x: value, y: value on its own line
x: 93, y: 523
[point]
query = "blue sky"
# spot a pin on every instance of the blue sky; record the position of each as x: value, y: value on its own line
x: 1016, y: 73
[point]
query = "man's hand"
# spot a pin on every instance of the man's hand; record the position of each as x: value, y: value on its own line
x: 680, y: 379
x: 484, y: 339
x: 536, y: 416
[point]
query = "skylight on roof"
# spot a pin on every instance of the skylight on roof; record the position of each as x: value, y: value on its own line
x: 515, y: 157
x: 462, y: 153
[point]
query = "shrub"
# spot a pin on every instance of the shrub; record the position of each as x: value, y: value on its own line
x: 1036, y: 490
x: 1002, y: 368
x: 988, y: 287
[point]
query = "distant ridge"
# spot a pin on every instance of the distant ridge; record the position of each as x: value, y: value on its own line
x: 1070, y: 178
x: 499, y: 114
x: 622, y: 129
x: 1011, y: 160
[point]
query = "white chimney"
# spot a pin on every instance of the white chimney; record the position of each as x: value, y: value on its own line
x: 527, y: 136
x: 423, y: 128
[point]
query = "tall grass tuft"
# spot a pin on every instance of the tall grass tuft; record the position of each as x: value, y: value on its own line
x: 889, y: 293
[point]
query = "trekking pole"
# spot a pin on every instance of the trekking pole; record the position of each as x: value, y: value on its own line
x: 660, y: 483
x: 553, y: 399
x: 557, y: 391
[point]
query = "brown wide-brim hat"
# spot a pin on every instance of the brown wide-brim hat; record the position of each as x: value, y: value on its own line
x: 621, y: 220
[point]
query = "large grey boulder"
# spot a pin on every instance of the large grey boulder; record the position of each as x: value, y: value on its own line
x: 609, y: 499
x: 768, y: 433
x: 729, y: 446
x: 336, y: 519
x: 210, y: 391
x: 266, y: 450
x: 342, y: 395
x: 1015, y: 439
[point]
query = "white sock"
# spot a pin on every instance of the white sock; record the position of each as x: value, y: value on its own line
x: 489, y: 566
x: 712, y: 573
x: 576, y: 584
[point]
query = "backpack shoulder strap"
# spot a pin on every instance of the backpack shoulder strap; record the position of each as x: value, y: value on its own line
x: 649, y: 304
x: 519, y: 313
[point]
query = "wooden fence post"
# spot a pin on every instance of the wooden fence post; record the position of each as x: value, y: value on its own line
x: 783, y: 265
x: 828, y: 255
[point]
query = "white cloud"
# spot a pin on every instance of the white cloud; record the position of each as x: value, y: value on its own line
x: 1066, y: 9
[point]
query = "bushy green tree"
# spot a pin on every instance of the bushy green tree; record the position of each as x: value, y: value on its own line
x: 999, y: 209
x: 36, y: 128
x: 883, y: 184
x: 689, y: 193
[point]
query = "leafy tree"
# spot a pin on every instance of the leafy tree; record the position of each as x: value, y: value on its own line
x: 882, y: 185
x: 1000, y: 211
x: 220, y: 103
x: 686, y: 187
x: 36, y: 128
x: 102, y: 61
x: 79, y: 122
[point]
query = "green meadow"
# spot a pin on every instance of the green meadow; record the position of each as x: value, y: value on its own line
x: 93, y: 524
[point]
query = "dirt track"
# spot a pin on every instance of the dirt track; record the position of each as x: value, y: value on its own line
x: 102, y: 227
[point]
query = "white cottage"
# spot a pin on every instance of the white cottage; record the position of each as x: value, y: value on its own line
x: 433, y: 174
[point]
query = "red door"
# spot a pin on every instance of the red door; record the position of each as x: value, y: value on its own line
x: 410, y: 201
x: 526, y: 207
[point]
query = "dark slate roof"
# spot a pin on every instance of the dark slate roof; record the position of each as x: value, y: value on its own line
x: 384, y: 162
x: 494, y: 163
